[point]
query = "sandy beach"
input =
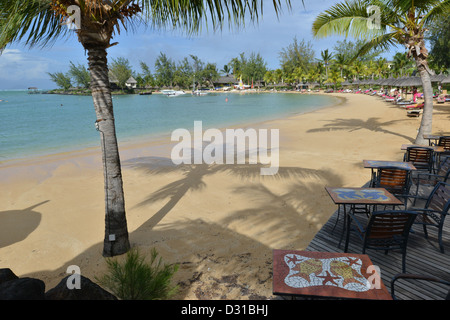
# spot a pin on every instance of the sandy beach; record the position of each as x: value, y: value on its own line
x: 220, y: 223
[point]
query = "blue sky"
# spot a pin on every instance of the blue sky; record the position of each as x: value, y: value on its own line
x: 21, y: 67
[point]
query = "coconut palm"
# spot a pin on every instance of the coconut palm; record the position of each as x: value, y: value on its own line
x: 326, y: 58
x: 382, y: 23
x: 401, y: 63
x: 38, y: 22
x: 341, y: 63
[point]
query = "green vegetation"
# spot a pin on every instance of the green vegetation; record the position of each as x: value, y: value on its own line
x: 297, y: 65
x: 136, y: 279
x: 396, y: 22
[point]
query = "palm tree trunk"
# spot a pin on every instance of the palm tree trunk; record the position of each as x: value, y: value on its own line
x: 427, y: 115
x: 116, y: 240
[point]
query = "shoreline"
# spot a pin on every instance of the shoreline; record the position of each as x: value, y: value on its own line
x: 149, y: 140
x: 220, y: 223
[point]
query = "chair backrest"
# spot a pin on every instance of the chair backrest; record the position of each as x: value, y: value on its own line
x: 395, y: 180
x: 444, y: 142
x: 439, y: 199
x: 421, y: 157
x: 389, y: 229
x: 444, y: 169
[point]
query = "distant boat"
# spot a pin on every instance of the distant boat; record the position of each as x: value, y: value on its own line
x: 172, y: 93
x: 145, y: 93
x: 33, y: 90
x: 200, y: 92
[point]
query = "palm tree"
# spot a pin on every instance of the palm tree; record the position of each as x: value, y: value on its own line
x: 326, y: 58
x: 226, y: 70
x: 401, y: 63
x: 381, y: 67
x: 38, y: 22
x: 403, y: 22
x: 341, y: 62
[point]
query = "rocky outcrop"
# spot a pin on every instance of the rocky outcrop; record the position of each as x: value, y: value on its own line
x: 14, y: 288
x: 88, y: 291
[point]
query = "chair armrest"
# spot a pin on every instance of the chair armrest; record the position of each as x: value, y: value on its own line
x: 422, y: 174
x: 427, y: 211
x: 360, y: 227
x: 410, y: 276
x: 407, y: 196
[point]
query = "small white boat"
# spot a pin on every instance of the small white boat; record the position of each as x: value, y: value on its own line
x: 200, y: 92
x: 172, y: 93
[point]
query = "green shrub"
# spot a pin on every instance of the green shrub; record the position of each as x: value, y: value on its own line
x: 134, y: 279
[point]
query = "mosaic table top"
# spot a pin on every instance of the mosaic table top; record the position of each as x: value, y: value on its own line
x: 326, y: 274
x: 383, y: 163
x: 362, y: 196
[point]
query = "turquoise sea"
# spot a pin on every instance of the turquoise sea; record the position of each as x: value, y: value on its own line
x: 42, y: 124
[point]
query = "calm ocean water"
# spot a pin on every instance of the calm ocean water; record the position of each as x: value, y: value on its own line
x: 42, y: 124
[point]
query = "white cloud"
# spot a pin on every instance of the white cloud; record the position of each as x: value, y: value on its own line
x: 19, y: 67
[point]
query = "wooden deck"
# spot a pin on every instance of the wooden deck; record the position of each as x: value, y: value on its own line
x: 423, y: 257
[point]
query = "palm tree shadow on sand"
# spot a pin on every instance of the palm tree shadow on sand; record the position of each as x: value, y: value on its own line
x: 371, y: 124
x: 194, y: 175
x: 242, y: 262
x: 28, y: 219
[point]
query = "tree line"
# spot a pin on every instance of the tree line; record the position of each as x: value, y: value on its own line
x: 298, y: 64
x: 186, y: 73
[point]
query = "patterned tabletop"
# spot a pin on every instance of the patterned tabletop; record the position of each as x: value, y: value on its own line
x: 384, y: 163
x: 362, y: 196
x: 326, y: 274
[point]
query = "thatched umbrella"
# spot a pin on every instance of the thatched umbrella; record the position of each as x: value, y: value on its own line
x: 413, y: 82
x: 446, y: 80
x: 438, y: 78
x: 389, y: 81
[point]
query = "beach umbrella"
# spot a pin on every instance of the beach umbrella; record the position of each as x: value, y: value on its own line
x: 438, y: 77
x: 446, y: 79
x: 346, y: 83
x: 401, y: 82
x: 379, y: 81
x: 389, y: 81
x: 413, y: 82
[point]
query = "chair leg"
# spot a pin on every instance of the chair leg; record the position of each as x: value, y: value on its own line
x: 425, y: 231
x: 417, y: 192
x: 404, y: 262
x: 441, y: 244
x: 337, y: 218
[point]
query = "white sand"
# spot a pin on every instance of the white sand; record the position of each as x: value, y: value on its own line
x: 220, y: 223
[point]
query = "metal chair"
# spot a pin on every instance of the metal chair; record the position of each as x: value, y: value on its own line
x: 421, y: 158
x: 387, y: 230
x: 396, y: 181
x: 436, y: 208
x: 430, y: 179
x: 444, y: 141
x: 416, y: 277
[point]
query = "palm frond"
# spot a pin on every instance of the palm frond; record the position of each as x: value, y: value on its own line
x: 381, y: 42
x: 193, y: 15
x: 32, y: 21
x: 441, y: 9
x: 351, y: 18
x: 38, y: 22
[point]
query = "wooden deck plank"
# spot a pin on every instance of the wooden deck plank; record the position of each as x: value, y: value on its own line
x: 423, y: 257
